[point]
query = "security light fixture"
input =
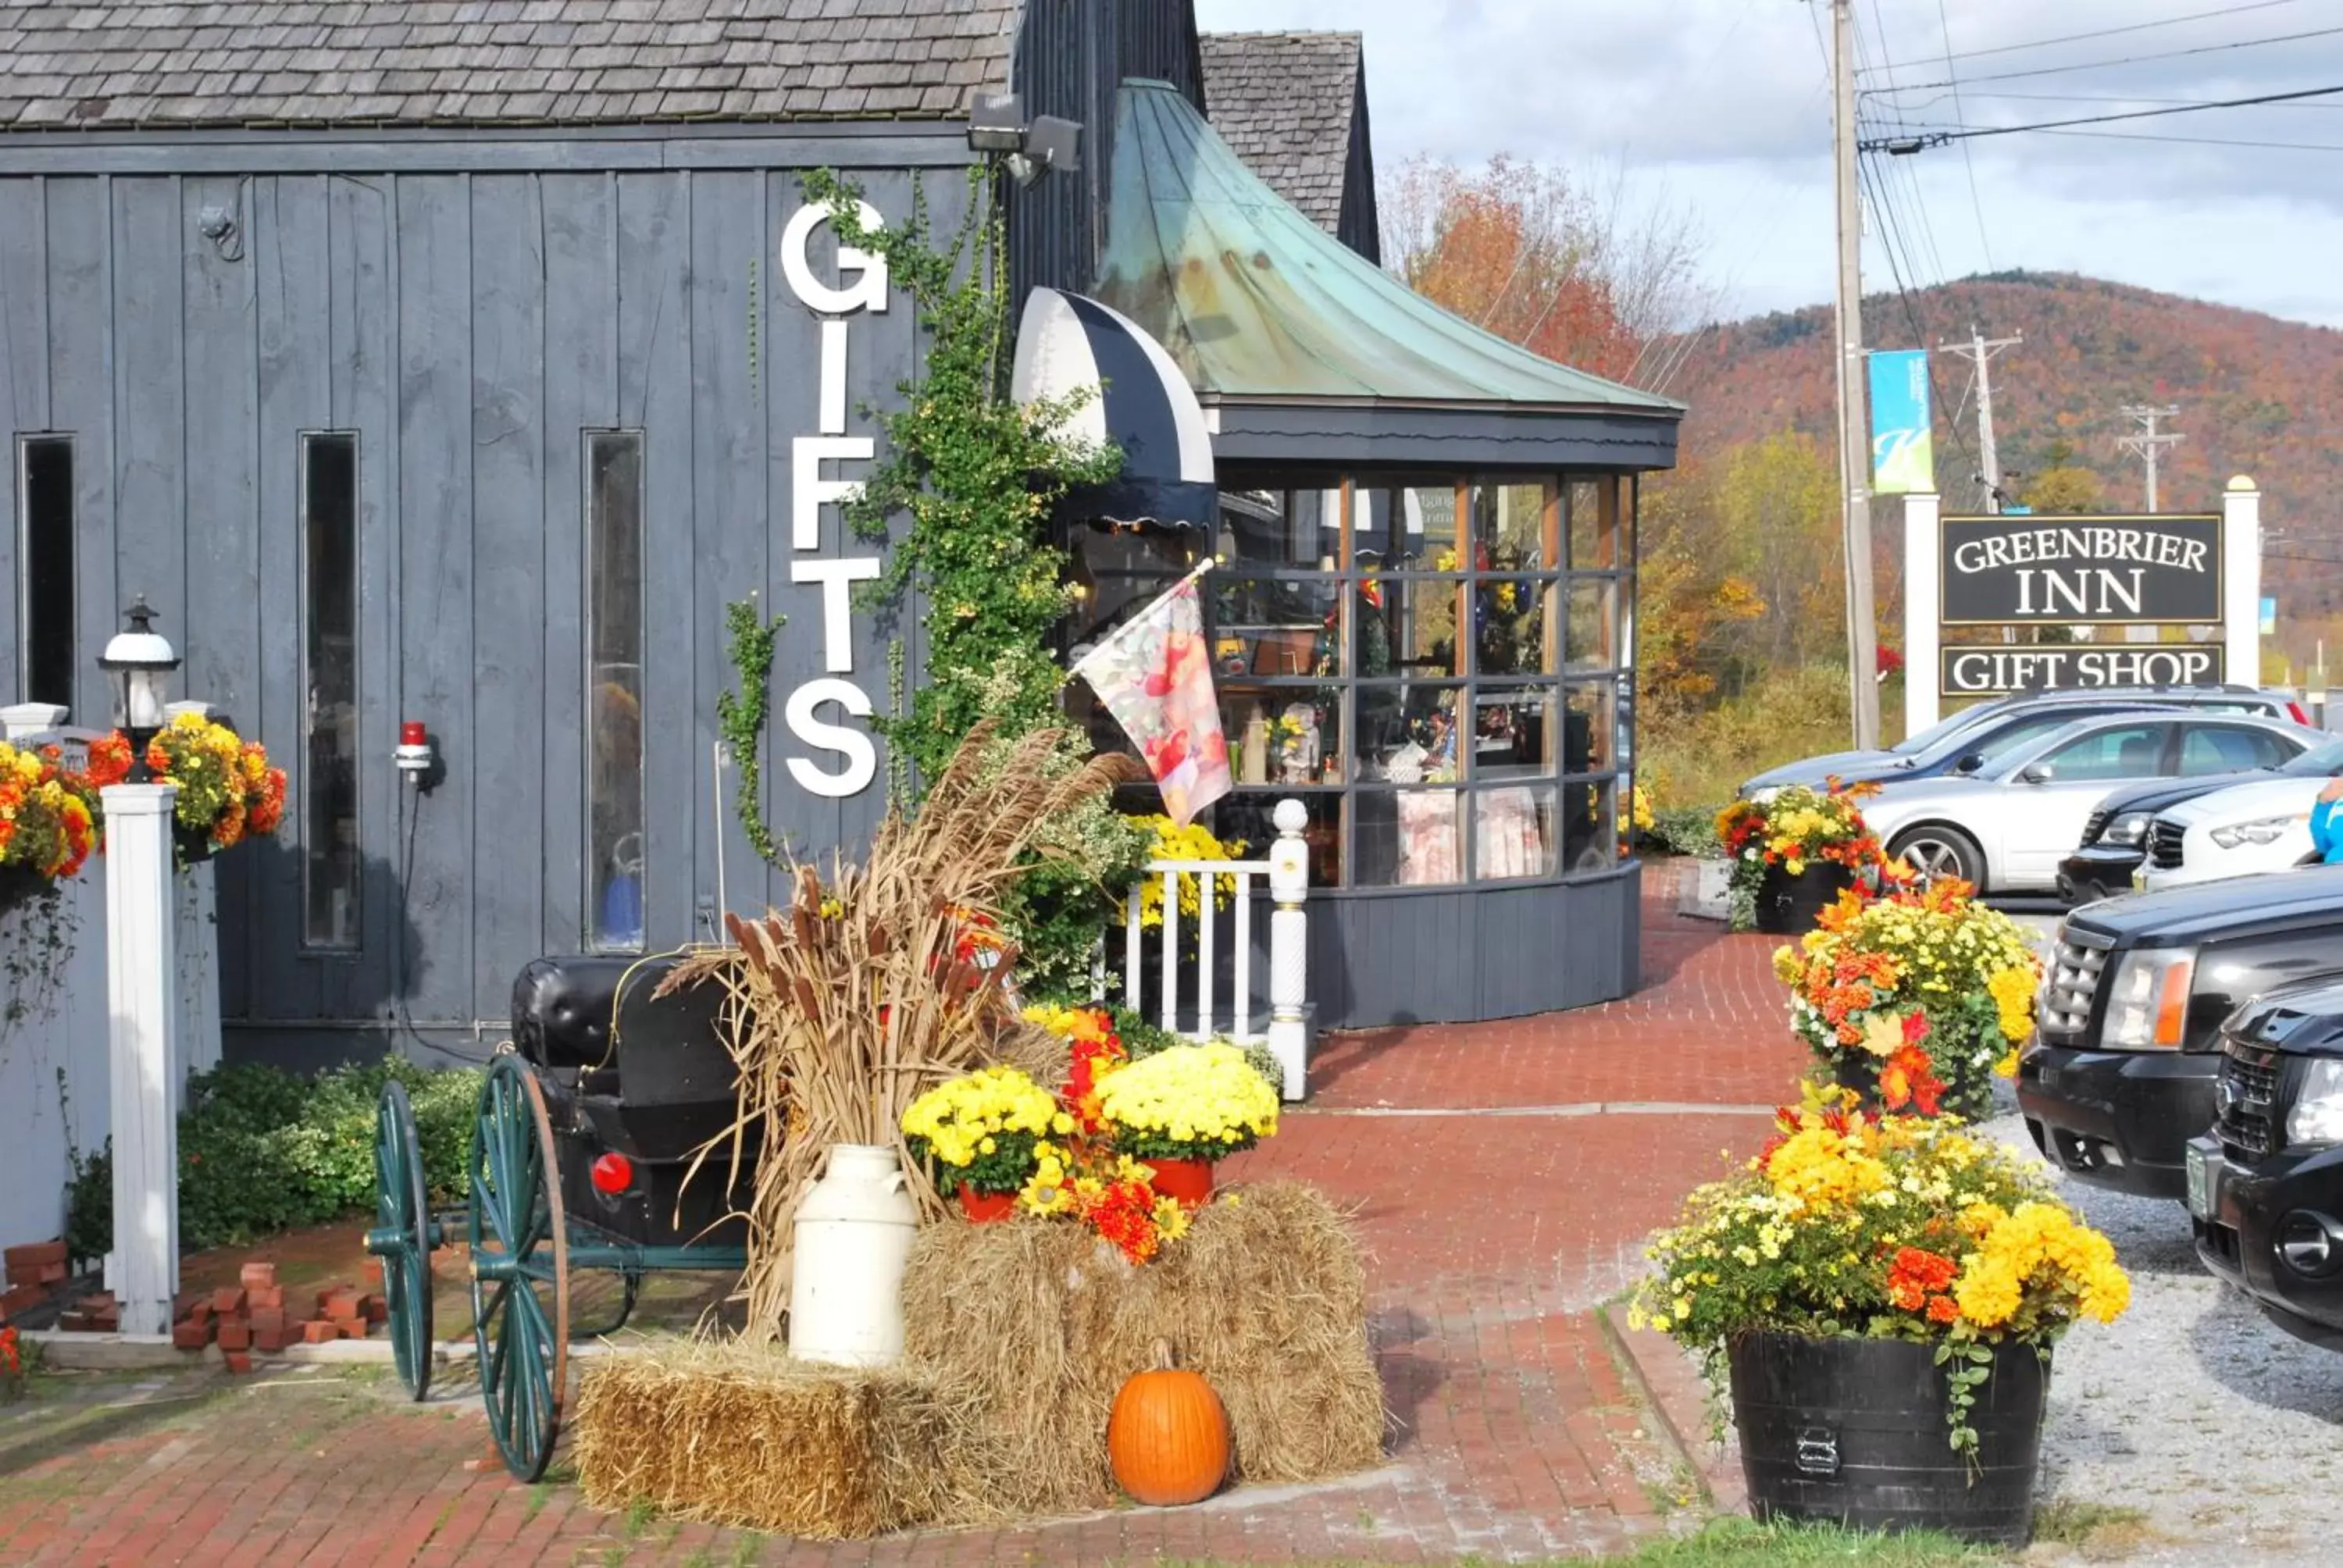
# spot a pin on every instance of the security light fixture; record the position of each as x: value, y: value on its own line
x: 138, y: 660
x: 998, y: 127
x: 997, y: 124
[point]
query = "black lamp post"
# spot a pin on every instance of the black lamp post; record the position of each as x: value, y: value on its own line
x: 139, y: 660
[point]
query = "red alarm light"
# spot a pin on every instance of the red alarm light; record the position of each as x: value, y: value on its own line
x: 613, y: 1174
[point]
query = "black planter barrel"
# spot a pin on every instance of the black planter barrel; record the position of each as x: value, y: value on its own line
x: 1853, y: 1430
x: 1789, y: 906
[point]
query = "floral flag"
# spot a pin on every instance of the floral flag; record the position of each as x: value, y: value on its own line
x: 1154, y: 676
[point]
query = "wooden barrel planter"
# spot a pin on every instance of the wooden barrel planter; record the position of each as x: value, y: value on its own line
x: 1789, y: 906
x: 1854, y: 1432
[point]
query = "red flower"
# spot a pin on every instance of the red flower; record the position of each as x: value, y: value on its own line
x: 1942, y: 1310
x: 1916, y: 1275
x: 1907, y: 1078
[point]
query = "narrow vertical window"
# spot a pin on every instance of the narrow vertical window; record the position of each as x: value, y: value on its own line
x: 329, y: 655
x: 614, y: 694
x: 46, y: 485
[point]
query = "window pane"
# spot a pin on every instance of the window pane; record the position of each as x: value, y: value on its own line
x: 1247, y: 816
x: 1515, y: 625
x: 47, y: 606
x: 1281, y: 527
x: 1509, y: 529
x: 1513, y: 734
x: 2123, y: 751
x: 1410, y: 526
x: 1590, y: 641
x: 1588, y: 733
x: 614, y: 657
x: 2212, y: 748
x: 1407, y: 838
x: 1593, y: 522
x: 1407, y: 732
x: 1512, y: 831
x: 1407, y: 626
x: 1116, y: 570
x: 329, y: 596
x: 1589, y: 827
x: 1284, y: 734
x: 1283, y: 627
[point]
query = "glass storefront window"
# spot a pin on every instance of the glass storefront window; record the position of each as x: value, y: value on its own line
x: 1433, y: 663
x: 614, y: 651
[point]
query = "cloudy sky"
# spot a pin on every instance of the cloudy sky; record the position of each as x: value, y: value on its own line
x: 1722, y: 107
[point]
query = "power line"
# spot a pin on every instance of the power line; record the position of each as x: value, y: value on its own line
x: 1937, y: 137
x: 2237, y: 10
x: 2135, y: 59
x: 1968, y: 164
x: 2202, y: 141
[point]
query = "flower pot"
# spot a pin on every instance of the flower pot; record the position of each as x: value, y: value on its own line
x: 1790, y: 906
x: 195, y: 844
x: 986, y: 1208
x: 854, y: 1237
x: 20, y: 885
x: 1189, y: 1181
x: 1854, y: 1432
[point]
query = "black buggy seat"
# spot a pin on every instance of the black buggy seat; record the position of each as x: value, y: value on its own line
x: 652, y: 1071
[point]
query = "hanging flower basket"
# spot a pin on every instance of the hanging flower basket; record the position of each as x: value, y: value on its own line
x: 19, y: 885
x: 227, y: 790
x: 48, y: 822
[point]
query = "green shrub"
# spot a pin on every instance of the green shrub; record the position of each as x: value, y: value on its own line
x: 1684, y: 830
x: 262, y: 1150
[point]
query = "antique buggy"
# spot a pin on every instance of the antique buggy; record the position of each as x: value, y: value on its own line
x: 590, y: 1120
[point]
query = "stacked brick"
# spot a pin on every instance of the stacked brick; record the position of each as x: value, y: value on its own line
x: 35, y: 1271
x: 254, y: 1315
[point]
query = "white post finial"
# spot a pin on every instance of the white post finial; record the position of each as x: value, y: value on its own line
x: 141, y: 965
x: 1289, y: 946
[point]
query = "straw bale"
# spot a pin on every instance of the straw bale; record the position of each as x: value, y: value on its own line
x: 738, y: 1433
x: 1265, y: 1296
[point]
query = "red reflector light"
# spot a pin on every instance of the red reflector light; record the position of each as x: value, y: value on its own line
x: 613, y: 1173
x: 2300, y: 716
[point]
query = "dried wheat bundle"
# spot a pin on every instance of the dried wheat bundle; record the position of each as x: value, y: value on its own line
x: 866, y: 992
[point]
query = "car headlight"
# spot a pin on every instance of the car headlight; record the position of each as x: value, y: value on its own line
x: 2261, y: 831
x: 2128, y: 828
x: 2316, y: 1114
x: 2148, y: 1007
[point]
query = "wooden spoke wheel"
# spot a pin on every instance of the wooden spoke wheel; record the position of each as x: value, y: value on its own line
x: 520, y: 1268
x: 403, y: 1236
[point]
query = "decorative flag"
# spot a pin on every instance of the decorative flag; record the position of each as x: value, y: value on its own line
x: 1154, y: 673
x: 1902, y: 454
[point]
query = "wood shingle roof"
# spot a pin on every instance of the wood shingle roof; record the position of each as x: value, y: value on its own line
x: 1283, y: 102
x: 121, y: 64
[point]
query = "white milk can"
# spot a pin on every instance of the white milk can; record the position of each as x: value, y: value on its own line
x: 854, y: 1237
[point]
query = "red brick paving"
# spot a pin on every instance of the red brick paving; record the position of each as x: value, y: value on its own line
x: 1500, y: 1203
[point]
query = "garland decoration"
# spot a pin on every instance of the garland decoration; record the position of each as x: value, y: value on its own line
x: 740, y: 716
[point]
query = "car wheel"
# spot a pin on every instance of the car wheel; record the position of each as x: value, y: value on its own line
x: 1932, y: 852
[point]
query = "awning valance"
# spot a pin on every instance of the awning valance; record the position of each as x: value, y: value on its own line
x: 1066, y: 343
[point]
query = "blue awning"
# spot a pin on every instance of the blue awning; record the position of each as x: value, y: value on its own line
x: 1140, y: 401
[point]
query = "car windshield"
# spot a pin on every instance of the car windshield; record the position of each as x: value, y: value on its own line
x: 2318, y: 762
x: 1992, y: 742
x: 1944, y: 729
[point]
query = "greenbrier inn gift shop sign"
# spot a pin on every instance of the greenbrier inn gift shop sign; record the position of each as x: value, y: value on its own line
x: 2081, y: 571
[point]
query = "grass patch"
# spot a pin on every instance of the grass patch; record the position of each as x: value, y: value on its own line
x: 1744, y: 1544
x: 2093, y: 1529
x: 638, y: 1516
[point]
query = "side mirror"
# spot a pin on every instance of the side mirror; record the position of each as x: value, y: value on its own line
x: 1969, y: 764
x: 2037, y: 773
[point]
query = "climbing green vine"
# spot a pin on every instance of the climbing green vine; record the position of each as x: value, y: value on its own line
x: 741, y: 716
x: 974, y: 475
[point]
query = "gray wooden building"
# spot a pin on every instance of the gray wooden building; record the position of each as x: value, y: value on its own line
x: 459, y: 362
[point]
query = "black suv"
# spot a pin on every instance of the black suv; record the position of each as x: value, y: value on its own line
x: 2265, y: 1187
x: 2122, y: 1072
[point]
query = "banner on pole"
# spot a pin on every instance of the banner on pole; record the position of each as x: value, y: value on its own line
x: 1154, y: 673
x: 1902, y: 455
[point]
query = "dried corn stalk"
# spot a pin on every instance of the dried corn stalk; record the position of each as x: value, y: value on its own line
x: 861, y: 996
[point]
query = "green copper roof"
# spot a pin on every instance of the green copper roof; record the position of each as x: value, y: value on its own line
x: 1253, y: 300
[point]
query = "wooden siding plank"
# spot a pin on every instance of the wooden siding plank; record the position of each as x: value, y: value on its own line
x: 581, y: 292
x: 509, y: 600
x: 729, y: 258
x: 150, y: 399
x: 24, y: 385
x: 655, y: 396
x: 81, y: 403
x: 294, y: 317
x: 632, y: 150
x: 221, y: 653
x: 435, y: 528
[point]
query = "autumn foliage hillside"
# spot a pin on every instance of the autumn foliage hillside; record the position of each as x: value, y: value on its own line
x: 2257, y: 395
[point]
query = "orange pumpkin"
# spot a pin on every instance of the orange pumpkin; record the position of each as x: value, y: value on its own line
x: 1167, y: 1436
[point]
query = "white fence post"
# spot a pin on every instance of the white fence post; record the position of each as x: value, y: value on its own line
x: 142, y: 930
x: 1289, y: 946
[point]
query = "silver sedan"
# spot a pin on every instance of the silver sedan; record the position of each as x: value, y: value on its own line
x: 2006, y: 825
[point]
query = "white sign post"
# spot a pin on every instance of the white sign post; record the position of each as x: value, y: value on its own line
x: 1922, y: 707
x: 143, y: 1005
x: 2241, y: 580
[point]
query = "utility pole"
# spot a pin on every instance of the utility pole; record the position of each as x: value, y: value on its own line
x: 1853, y: 433
x: 1980, y: 349
x: 2146, y: 442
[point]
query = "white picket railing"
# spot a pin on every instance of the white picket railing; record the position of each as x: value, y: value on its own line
x: 1286, y: 1029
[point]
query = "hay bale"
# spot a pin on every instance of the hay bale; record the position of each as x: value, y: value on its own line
x: 740, y: 1434
x: 1042, y: 1322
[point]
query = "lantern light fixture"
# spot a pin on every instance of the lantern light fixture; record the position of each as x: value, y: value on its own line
x: 138, y: 660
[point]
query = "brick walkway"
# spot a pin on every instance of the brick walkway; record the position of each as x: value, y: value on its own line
x: 1504, y: 1176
